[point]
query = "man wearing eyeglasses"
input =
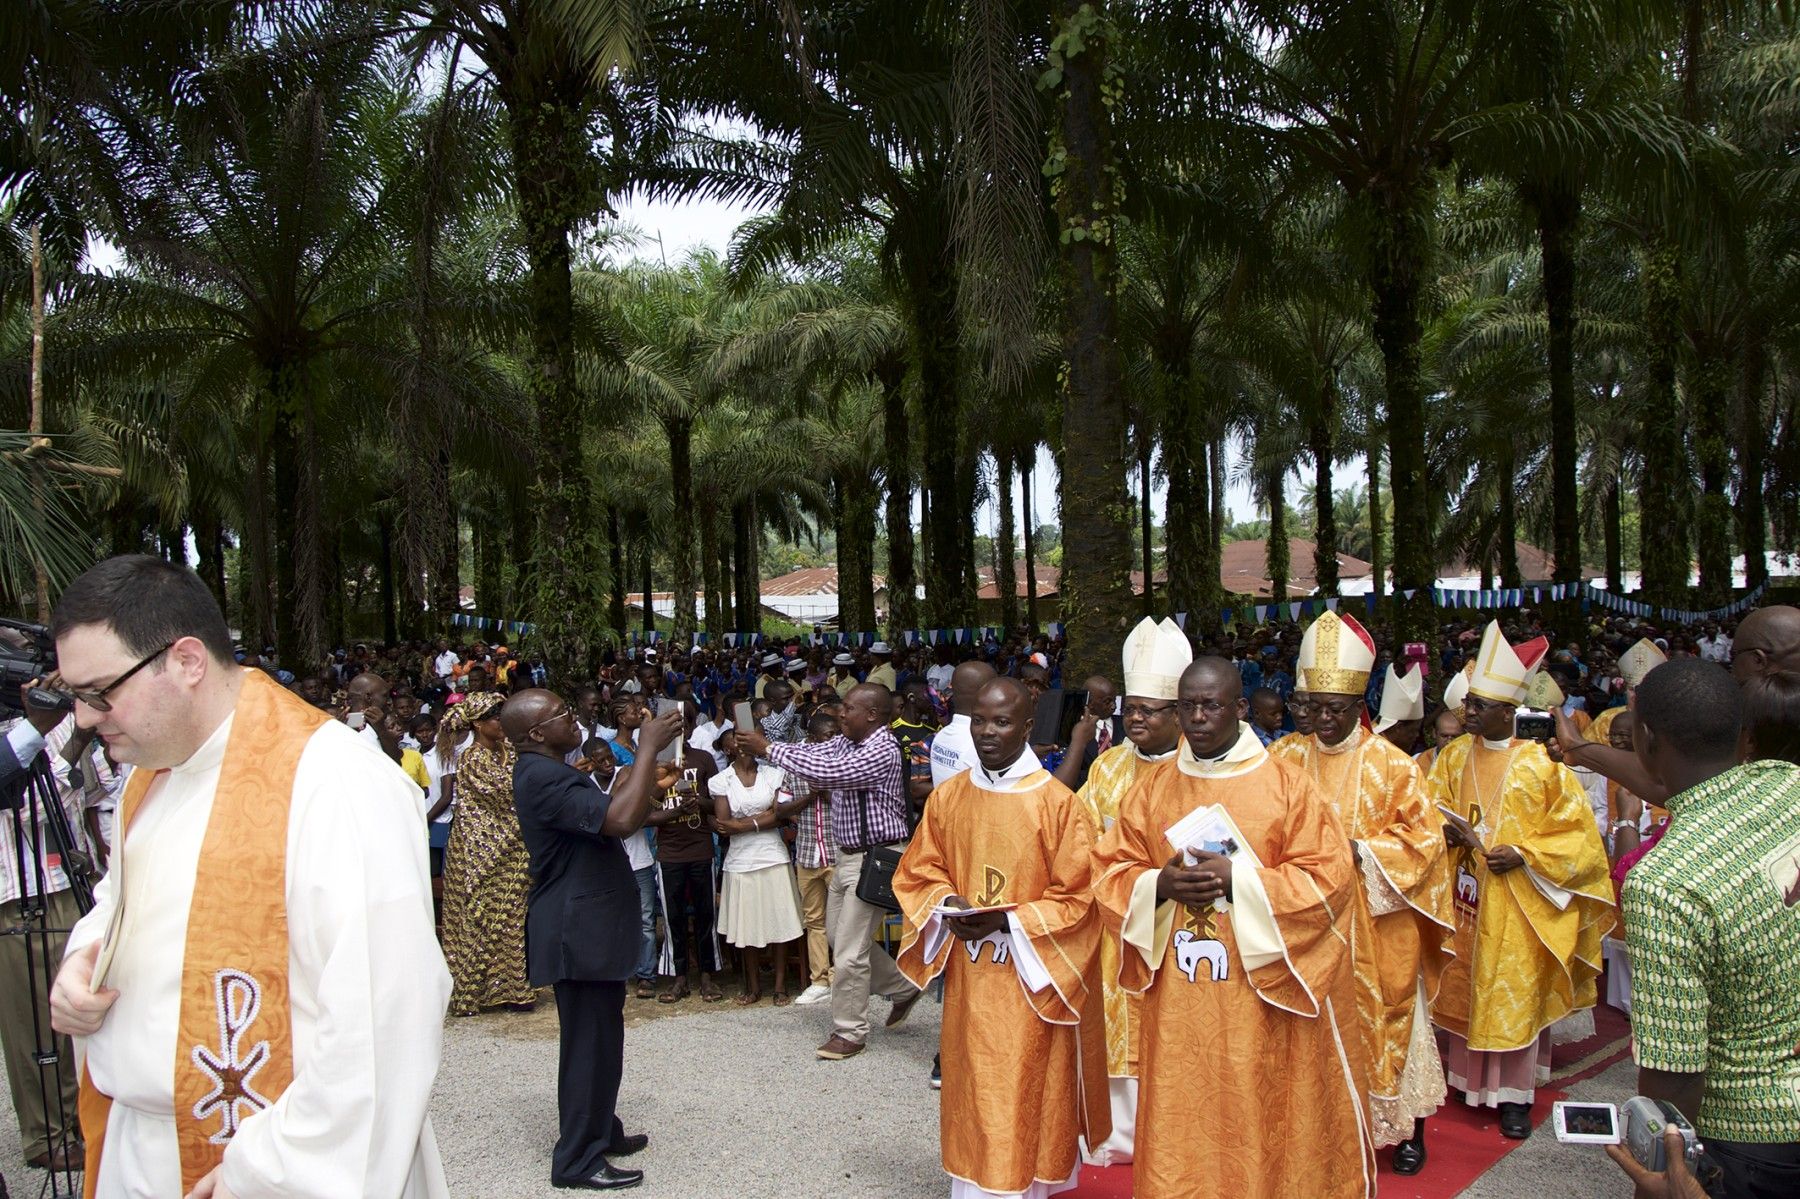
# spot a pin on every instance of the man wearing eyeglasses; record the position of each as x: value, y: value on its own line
x: 1530, y: 887
x: 1402, y: 914
x: 1155, y: 656
x: 1250, y: 1071
x: 267, y: 915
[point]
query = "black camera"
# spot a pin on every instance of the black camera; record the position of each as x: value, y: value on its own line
x: 26, y: 653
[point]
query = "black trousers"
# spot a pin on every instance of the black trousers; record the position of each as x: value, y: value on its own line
x: 592, y: 1016
x: 1757, y: 1171
x: 688, y: 888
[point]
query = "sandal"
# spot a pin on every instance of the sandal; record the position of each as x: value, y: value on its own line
x: 710, y: 992
x: 646, y: 990
x: 748, y: 1000
x: 782, y: 999
x: 674, y: 994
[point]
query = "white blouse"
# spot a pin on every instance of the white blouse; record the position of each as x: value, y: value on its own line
x: 759, y: 850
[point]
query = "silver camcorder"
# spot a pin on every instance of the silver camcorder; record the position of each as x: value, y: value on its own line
x: 1645, y: 1122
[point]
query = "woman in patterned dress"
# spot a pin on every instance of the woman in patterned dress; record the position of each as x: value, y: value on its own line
x: 486, y: 869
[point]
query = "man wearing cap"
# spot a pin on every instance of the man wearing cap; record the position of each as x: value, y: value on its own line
x: 1401, y: 916
x: 1155, y: 656
x: 843, y: 674
x: 1531, y: 887
x: 883, y: 671
x: 771, y: 672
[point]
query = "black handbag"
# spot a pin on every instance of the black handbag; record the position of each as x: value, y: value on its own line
x: 875, y: 885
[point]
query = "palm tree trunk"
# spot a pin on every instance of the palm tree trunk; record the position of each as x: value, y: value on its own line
x: 1005, y: 577
x: 1509, y: 521
x: 549, y: 143
x: 1710, y: 388
x: 1615, y: 537
x: 1558, y: 209
x: 1145, y: 530
x: 1377, y: 568
x: 855, y: 503
x: 681, y: 529
x: 615, y: 598
x: 649, y: 612
x: 207, y: 546
x: 947, y: 601
x: 1663, y: 548
x: 1753, y: 519
x: 1325, y: 533
x: 709, y: 562
x: 524, y: 532
x: 390, y: 624
x: 1397, y: 278
x: 727, y: 606
x: 1187, y: 512
x: 284, y: 453
x: 1029, y: 540
x: 1216, y: 481
x: 259, y: 545
x: 902, y: 572
x: 1096, y: 506
x: 446, y: 583
x: 1276, y: 551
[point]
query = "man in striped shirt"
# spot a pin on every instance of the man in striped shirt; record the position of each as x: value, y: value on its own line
x: 861, y: 769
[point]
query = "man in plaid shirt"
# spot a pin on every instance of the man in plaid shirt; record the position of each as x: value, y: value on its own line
x: 861, y: 770
x: 814, y: 860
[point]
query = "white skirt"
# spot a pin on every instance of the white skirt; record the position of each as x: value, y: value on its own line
x: 760, y: 907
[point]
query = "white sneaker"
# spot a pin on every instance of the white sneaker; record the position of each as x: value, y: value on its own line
x: 813, y: 994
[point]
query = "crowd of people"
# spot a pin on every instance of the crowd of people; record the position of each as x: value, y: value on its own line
x: 1334, y: 875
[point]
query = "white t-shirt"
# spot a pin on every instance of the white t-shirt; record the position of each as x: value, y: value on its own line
x: 436, y: 770
x: 752, y: 851
x: 446, y: 662
x: 952, y: 751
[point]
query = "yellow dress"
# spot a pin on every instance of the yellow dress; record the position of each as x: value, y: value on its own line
x: 1109, y: 780
x: 1250, y: 1073
x: 1402, y: 923
x: 1527, y: 941
x: 1024, y: 1066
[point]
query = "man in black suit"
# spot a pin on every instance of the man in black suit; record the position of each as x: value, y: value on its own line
x: 583, y: 933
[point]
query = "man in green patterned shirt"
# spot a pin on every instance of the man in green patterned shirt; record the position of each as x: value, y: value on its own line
x: 1712, y: 918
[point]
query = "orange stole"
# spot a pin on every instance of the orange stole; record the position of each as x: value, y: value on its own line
x: 234, y: 1054
x: 1020, y: 1084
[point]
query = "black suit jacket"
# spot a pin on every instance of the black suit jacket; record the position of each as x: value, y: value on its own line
x: 583, y: 921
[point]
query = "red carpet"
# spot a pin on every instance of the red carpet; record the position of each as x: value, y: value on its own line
x: 1464, y: 1142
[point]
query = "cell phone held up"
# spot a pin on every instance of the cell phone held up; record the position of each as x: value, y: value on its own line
x: 1530, y: 724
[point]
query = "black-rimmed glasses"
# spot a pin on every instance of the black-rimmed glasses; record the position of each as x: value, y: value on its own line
x: 97, y: 699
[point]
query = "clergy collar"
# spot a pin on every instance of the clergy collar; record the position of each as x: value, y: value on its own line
x: 211, y: 753
x: 1498, y: 747
x: 1346, y: 745
x: 1164, y: 756
x: 1244, y: 756
x: 1024, y: 769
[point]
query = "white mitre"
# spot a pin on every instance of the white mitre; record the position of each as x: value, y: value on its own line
x: 1638, y: 661
x: 1155, y: 656
x: 1402, y: 698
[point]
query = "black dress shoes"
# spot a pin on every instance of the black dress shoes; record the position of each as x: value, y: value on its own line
x: 608, y: 1178
x: 626, y: 1146
x: 1409, y: 1158
x: 1515, y: 1121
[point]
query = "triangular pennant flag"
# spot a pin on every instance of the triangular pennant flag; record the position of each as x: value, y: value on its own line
x: 1331, y: 603
x: 1181, y: 621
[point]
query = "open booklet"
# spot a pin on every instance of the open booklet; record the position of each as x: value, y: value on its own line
x: 1210, y: 829
x: 946, y: 909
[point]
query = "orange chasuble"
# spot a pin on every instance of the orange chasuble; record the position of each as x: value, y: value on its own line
x: 1402, y: 922
x: 1024, y: 1055
x: 1251, y: 1072
x: 234, y: 1055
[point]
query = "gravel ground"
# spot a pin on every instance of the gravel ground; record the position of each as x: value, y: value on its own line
x: 737, y: 1105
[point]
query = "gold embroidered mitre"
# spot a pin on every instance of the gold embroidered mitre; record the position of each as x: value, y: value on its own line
x: 1336, y: 656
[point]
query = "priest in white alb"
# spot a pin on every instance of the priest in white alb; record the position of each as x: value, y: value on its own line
x: 257, y: 996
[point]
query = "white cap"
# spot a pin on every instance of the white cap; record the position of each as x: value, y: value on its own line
x: 880, y: 647
x: 1155, y: 656
x: 795, y: 665
x: 843, y: 660
x: 771, y: 660
x: 1402, y: 698
x: 1503, y: 670
x: 1638, y: 661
